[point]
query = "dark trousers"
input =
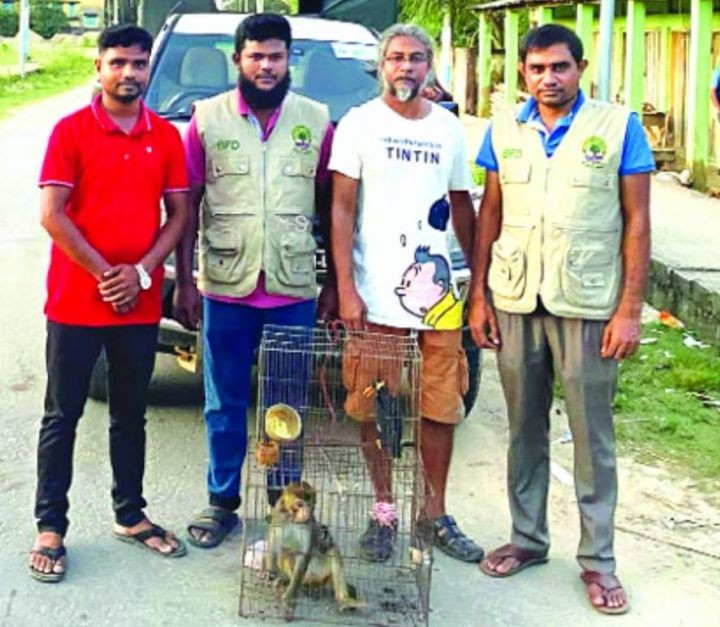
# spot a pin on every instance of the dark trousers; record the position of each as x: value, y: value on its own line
x: 71, y: 353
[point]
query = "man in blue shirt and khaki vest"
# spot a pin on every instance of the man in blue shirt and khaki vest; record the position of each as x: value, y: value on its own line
x: 561, y: 261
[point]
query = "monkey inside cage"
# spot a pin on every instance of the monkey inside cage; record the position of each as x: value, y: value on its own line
x: 334, y: 491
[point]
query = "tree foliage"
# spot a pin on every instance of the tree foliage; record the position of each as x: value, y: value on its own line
x: 47, y: 18
x: 9, y: 23
x: 429, y: 14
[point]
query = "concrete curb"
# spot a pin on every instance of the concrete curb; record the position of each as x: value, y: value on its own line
x: 680, y: 292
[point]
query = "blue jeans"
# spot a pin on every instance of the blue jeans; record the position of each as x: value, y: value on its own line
x: 231, y: 334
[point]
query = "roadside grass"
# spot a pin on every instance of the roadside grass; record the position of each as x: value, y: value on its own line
x: 657, y: 410
x: 62, y: 67
x: 8, y: 54
x: 657, y: 415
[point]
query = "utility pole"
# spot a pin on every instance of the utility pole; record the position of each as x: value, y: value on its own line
x: 24, y: 39
x: 445, y: 75
x: 607, y: 18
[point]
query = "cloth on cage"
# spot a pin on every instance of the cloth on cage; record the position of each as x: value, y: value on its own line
x: 367, y: 359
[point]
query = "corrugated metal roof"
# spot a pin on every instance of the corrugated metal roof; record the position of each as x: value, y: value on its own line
x: 516, y: 4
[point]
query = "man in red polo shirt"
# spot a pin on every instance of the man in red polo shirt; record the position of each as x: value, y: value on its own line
x: 106, y: 169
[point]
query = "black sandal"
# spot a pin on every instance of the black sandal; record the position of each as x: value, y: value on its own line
x: 155, y: 531
x: 217, y: 522
x: 450, y: 540
x: 55, y: 555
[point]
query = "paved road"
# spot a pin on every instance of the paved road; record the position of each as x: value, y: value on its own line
x: 117, y: 585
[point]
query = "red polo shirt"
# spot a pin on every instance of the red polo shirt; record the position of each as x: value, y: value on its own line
x: 117, y: 181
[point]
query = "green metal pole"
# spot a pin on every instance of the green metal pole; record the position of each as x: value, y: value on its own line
x: 512, y: 20
x: 584, y: 30
x: 698, y: 98
x: 543, y: 15
x: 483, y: 66
x: 635, y: 55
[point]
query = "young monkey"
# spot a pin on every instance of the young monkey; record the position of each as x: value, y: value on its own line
x: 300, y: 551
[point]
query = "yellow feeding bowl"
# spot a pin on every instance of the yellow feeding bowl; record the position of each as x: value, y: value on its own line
x: 282, y: 423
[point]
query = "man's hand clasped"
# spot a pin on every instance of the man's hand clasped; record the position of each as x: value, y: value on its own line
x: 120, y: 287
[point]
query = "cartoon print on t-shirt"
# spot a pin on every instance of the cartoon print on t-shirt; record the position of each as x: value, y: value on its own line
x: 426, y: 291
x: 439, y: 214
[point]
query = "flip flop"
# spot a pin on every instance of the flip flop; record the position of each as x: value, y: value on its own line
x: 155, y: 531
x: 608, y: 583
x: 215, y: 521
x: 54, y: 555
x: 525, y: 557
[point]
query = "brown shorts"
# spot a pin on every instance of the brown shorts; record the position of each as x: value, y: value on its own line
x: 443, y: 374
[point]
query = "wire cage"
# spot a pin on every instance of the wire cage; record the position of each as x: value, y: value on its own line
x: 318, y: 390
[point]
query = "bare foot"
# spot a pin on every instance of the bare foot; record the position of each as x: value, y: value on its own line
x: 43, y: 563
x: 166, y: 545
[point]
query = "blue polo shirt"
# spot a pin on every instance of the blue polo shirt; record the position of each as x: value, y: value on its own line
x: 715, y: 82
x: 637, y: 157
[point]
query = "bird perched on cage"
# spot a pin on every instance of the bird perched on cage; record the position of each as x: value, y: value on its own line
x: 389, y: 419
x: 301, y: 551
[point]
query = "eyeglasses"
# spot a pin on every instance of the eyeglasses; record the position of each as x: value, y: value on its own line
x: 416, y: 58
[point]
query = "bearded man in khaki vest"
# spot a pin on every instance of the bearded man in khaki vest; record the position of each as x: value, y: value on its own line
x: 561, y: 261
x: 257, y: 155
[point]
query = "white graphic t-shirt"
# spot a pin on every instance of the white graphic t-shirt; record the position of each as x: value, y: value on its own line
x: 405, y: 170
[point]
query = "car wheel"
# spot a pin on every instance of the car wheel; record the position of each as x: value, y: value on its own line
x: 474, y: 359
x: 98, y: 380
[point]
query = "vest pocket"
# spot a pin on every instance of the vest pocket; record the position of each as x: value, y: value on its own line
x: 587, y: 177
x: 222, y: 253
x: 229, y: 165
x: 514, y: 172
x: 587, y: 276
x: 297, y: 259
x: 507, y: 275
x: 305, y: 167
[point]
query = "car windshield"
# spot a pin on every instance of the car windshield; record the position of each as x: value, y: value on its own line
x: 191, y: 67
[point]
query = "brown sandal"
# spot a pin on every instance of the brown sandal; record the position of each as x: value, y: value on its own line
x: 525, y: 557
x: 608, y: 583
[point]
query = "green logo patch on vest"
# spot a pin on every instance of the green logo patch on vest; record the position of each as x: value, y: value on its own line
x: 511, y: 153
x: 594, y: 150
x: 302, y: 137
x: 227, y: 144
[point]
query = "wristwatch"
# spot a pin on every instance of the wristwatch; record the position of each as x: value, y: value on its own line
x: 143, y: 276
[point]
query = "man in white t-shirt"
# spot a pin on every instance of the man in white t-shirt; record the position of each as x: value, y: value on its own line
x: 400, y: 176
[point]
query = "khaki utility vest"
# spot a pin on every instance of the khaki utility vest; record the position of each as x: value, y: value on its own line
x: 259, y: 203
x: 561, y: 220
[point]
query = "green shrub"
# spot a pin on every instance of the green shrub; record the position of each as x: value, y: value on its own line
x: 47, y: 18
x: 9, y: 23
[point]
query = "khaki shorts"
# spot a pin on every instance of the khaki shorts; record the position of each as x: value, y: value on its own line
x: 443, y: 375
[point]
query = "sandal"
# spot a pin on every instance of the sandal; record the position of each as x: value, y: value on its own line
x: 155, y: 531
x: 55, y: 555
x: 608, y: 583
x: 525, y: 558
x: 217, y: 522
x: 450, y: 540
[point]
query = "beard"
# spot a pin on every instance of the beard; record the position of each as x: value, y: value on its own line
x: 128, y: 98
x: 264, y: 98
x: 404, y: 93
